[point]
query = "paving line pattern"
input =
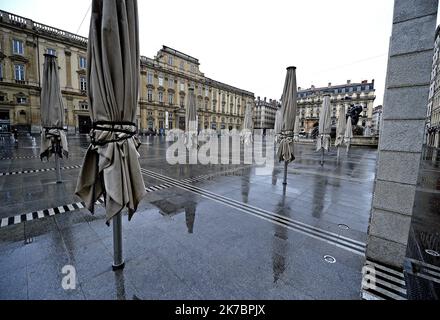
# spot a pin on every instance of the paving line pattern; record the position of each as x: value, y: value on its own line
x: 14, y: 173
x: 382, y: 282
x: 340, y: 241
x: 40, y: 214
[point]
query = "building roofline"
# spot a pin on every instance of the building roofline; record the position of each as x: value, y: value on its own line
x: 180, y: 54
x: 41, y: 29
x: 336, y: 87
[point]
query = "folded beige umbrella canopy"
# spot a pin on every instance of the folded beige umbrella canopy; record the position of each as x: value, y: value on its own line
x: 248, y: 125
x: 53, y: 136
x: 191, y: 122
x: 340, y: 129
x: 348, y: 133
x: 296, y: 130
x: 288, y: 110
x: 325, y: 125
x: 278, y: 122
x: 111, y: 165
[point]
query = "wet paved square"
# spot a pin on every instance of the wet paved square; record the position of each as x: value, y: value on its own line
x: 202, y: 232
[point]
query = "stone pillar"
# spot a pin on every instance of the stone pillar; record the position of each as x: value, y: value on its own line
x: 401, y: 139
x: 71, y: 124
x: 68, y: 69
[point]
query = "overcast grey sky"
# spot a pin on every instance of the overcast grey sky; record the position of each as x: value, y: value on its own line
x: 249, y: 43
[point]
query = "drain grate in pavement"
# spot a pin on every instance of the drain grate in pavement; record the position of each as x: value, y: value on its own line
x: 382, y: 282
x: 329, y: 259
x: 432, y: 253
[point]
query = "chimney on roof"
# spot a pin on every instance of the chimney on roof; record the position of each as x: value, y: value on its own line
x: 258, y: 98
x: 348, y: 81
x: 299, y: 88
x: 364, y: 81
x: 270, y: 100
x: 329, y: 84
x: 264, y: 99
x: 313, y: 87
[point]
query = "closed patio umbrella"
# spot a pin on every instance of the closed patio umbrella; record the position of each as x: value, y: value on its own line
x: 278, y: 123
x: 53, y: 136
x: 111, y: 165
x: 348, y: 133
x: 325, y: 127
x: 289, y: 106
x: 191, y: 122
x: 296, y: 130
x: 248, y: 125
x: 340, y: 129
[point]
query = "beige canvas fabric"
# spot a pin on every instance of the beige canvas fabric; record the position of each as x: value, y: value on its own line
x: 340, y: 130
x: 191, y: 122
x: 288, y: 110
x: 296, y: 130
x: 52, y: 111
x: 348, y: 132
x: 248, y: 125
x: 278, y: 127
x: 325, y: 125
x: 112, y: 168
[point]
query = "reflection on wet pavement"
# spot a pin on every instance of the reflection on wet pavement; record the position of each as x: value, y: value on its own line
x: 218, y: 231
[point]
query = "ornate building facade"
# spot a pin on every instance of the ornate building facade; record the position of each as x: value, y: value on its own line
x: 433, y: 112
x: 264, y: 113
x: 310, y: 102
x: 165, y: 81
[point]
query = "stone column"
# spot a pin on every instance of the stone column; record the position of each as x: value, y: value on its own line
x: 400, y: 144
x: 71, y: 125
x: 68, y: 69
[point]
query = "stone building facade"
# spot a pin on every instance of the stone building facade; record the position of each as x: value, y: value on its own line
x: 165, y: 81
x: 376, y: 120
x: 265, y: 112
x: 433, y: 111
x: 310, y: 102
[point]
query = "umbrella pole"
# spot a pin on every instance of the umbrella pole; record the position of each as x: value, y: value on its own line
x: 337, y: 156
x: 118, y: 260
x: 322, y: 157
x: 57, y: 162
x: 285, y: 173
x: 348, y: 147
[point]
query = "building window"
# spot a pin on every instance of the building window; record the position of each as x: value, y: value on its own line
x: 170, y: 99
x: 84, y: 106
x: 182, y: 65
x: 51, y: 52
x: 21, y: 100
x: 83, y: 84
x: 19, y: 72
x: 160, y: 81
x: 149, y: 78
x: 170, y: 60
x: 160, y: 96
x: 171, y: 83
x: 1, y: 72
x: 17, y: 47
x: 182, y: 86
x: 82, y: 63
x: 150, y: 95
x: 206, y: 92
